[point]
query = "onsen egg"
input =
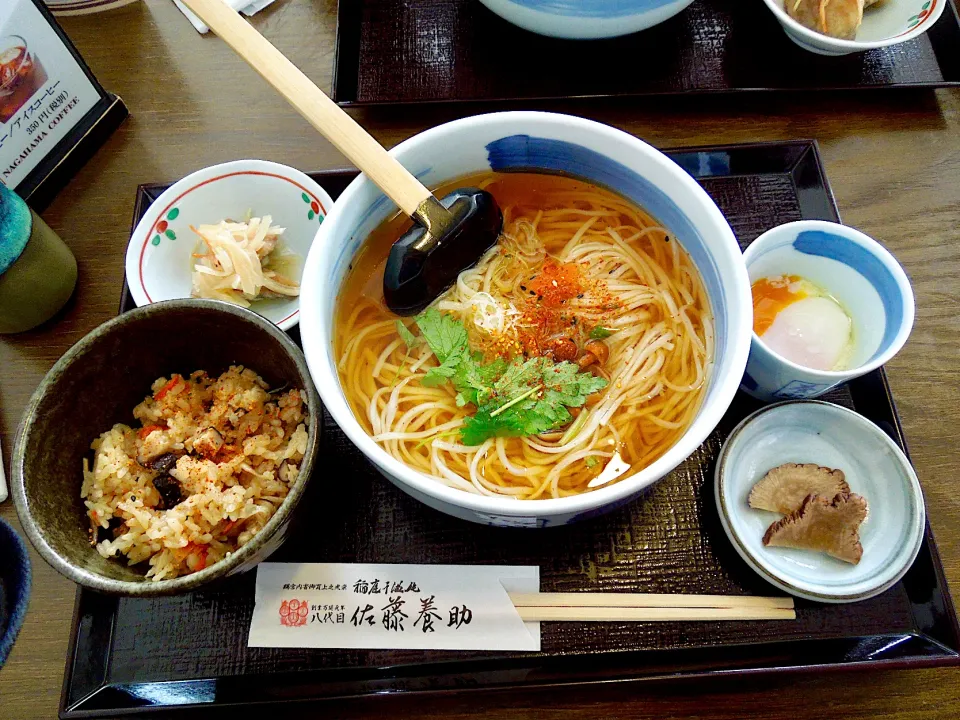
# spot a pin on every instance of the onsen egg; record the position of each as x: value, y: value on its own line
x: 801, y: 322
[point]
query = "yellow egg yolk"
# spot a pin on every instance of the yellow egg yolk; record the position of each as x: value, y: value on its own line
x: 771, y: 295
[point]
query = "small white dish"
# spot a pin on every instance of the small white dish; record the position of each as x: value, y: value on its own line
x: 890, y: 23
x: 159, y: 263
x: 817, y: 432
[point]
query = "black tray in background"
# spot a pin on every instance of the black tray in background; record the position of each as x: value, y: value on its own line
x: 398, y: 51
x: 131, y: 656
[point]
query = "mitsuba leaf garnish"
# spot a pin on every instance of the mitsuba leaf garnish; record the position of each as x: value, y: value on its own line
x: 444, y: 334
x: 513, y: 399
x: 600, y: 332
x: 409, y: 339
x: 447, y: 339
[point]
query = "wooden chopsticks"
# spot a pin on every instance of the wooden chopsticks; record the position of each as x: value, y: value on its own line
x: 613, y: 607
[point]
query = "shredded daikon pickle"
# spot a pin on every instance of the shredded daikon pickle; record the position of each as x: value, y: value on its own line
x: 238, y: 262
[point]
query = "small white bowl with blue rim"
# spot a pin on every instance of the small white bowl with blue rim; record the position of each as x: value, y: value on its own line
x: 811, y: 431
x: 586, y: 19
x: 857, y: 271
x: 547, y: 143
x: 889, y: 23
x: 159, y: 262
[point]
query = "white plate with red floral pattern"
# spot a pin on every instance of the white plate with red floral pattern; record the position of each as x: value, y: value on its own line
x: 160, y: 259
x: 887, y: 23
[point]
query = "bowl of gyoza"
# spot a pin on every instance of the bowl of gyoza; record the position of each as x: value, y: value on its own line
x: 842, y: 27
x: 586, y: 355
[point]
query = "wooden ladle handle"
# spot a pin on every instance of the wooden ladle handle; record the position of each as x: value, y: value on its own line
x: 311, y: 102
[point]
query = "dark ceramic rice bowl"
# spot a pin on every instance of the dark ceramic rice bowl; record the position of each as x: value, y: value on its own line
x: 96, y: 384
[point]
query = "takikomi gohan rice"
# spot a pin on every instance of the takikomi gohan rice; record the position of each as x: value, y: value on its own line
x: 212, y: 461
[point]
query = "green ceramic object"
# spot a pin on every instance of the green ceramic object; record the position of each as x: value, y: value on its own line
x: 96, y: 384
x: 37, y: 270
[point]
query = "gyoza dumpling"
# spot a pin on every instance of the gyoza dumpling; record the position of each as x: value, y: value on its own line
x: 836, y: 18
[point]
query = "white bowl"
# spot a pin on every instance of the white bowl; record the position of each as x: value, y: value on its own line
x: 556, y: 143
x: 891, y: 23
x: 159, y: 262
x: 586, y: 19
x: 875, y: 468
x: 860, y: 273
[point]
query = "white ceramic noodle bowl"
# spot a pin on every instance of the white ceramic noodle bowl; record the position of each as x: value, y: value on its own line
x: 558, y: 143
x: 890, y: 23
x: 586, y: 19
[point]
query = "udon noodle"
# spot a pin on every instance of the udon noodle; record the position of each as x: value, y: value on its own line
x: 575, y: 266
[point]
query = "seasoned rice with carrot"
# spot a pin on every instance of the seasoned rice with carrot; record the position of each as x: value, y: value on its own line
x: 212, y: 461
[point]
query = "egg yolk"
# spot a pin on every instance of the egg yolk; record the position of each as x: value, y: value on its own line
x: 771, y: 295
x: 801, y: 322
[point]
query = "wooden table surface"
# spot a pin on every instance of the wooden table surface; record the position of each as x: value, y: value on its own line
x: 893, y: 160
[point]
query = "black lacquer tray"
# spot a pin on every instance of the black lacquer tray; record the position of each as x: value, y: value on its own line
x: 170, y: 655
x: 404, y: 51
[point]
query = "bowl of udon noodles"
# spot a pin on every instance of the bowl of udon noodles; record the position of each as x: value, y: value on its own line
x: 586, y: 355
x: 586, y: 19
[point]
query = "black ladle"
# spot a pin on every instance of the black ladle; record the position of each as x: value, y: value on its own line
x: 447, y: 236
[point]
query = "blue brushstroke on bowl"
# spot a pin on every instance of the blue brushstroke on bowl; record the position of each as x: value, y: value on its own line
x: 836, y: 247
x: 14, y: 587
x: 594, y: 8
x: 519, y: 153
x: 800, y: 390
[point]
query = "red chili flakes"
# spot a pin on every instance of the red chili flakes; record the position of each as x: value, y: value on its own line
x: 550, y: 322
x: 542, y: 326
x: 556, y: 283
